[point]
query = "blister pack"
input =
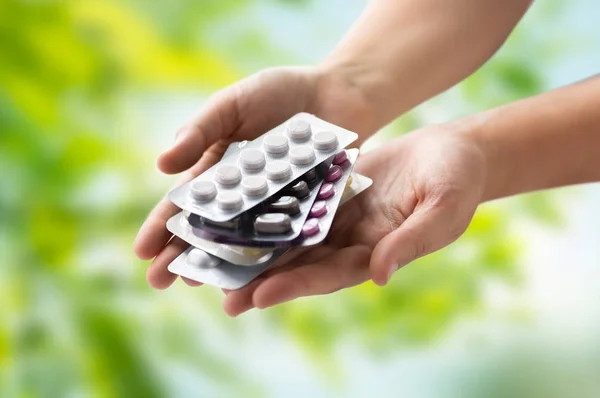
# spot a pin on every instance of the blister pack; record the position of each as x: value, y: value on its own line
x: 249, y: 256
x: 200, y: 266
x: 275, y: 222
x: 262, y: 168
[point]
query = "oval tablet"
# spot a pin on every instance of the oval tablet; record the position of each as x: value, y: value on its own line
x: 200, y: 259
x: 319, y: 209
x: 252, y: 159
x: 228, y: 174
x: 273, y: 223
x: 311, y: 227
x: 254, y: 186
x: 326, y: 191
x: 276, y: 144
x: 333, y: 174
x: 340, y: 158
x: 325, y: 141
x: 229, y: 200
x: 278, y: 170
x: 286, y: 204
x: 298, y: 130
x: 310, y: 175
x: 203, y: 191
x: 302, y: 155
x: 299, y: 189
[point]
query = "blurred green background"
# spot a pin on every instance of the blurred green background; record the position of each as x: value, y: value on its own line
x: 91, y: 92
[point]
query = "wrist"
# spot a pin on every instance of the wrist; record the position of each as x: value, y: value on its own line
x: 477, y: 129
x: 348, y: 88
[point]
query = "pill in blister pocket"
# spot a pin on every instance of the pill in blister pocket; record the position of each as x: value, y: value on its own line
x: 319, y: 209
x: 273, y: 223
x: 301, y: 155
x: 278, y: 170
x: 252, y: 159
x: 333, y: 174
x: 286, y: 204
x: 254, y: 186
x: 326, y: 191
x: 311, y: 227
x: 203, y: 191
x: 228, y: 174
x: 340, y: 158
x: 325, y: 141
x: 200, y: 259
x: 298, y: 130
x: 276, y: 144
x: 310, y: 175
x: 299, y: 190
x: 229, y: 200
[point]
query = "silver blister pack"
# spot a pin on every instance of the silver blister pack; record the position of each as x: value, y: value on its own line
x: 264, y: 166
x: 179, y: 226
x: 243, y: 230
x: 200, y: 266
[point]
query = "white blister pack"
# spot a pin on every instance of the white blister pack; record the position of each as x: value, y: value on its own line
x: 264, y: 166
x: 200, y: 266
x: 179, y: 226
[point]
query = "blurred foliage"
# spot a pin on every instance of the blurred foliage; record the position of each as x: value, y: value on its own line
x: 77, y: 319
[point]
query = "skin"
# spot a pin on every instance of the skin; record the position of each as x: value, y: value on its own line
x: 362, y: 86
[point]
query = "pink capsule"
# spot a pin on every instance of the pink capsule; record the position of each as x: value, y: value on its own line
x: 319, y: 209
x: 333, y: 174
x: 311, y: 227
x: 340, y: 158
x: 326, y: 191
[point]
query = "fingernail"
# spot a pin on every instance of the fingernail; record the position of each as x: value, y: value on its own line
x: 179, y: 135
x: 393, y: 268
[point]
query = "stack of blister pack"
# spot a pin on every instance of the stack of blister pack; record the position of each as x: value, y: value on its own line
x: 265, y: 196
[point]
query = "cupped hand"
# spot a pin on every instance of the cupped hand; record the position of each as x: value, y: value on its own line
x: 244, y: 111
x: 426, y: 188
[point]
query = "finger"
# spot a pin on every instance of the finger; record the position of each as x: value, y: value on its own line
x: 428, y: 229
x: 153, y: 234
x: 217, y: 120
x: 240, y: 300
x: 340, y: 269
x: 191, y: 282
x: 158, y: 276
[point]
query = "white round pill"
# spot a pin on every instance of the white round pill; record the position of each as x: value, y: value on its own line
x: 302, y: 155
x: 203, y: 191
x: 254, y: 186
x: 298, y: 130
x: 325, y: 141
x: 252, y: 159
x: 199, y: 259
x: 278, y: 170
x: 228, y: 174
x: 276, y: 144
x: 229, y: 200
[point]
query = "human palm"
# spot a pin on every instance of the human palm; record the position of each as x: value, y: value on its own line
x: 242, y: 111
x: 426, y: 187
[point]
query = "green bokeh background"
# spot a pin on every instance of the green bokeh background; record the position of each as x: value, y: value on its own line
x: 91, y: 91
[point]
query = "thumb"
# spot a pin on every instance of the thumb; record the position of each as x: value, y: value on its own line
x: 429, y: 228
x: 218, y: 119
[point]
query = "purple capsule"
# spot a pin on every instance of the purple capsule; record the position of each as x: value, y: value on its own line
x: 340, y: 158
x: 326, y: 191
x: 311, y: 227
x: 319, y: 209
x: 333, y: 174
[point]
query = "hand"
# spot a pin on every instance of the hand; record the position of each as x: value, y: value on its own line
x: 427, y: 186
x: 244, y: 111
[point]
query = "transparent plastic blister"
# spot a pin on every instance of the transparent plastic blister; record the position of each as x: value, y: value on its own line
x: 200, y: 266
x: 275, y: 222
x: 248, y: 256
x: 263, y: 167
